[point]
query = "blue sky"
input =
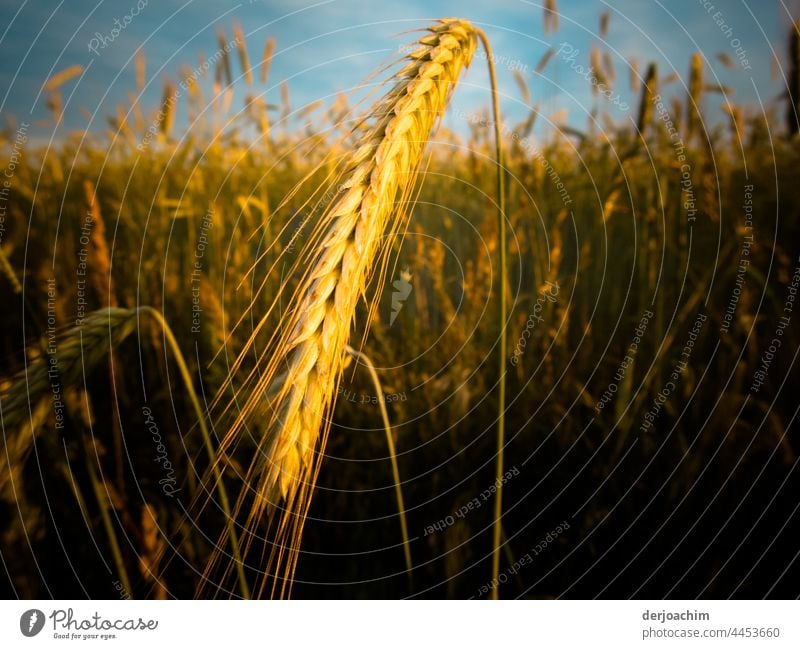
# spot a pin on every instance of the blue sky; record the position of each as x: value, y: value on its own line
x: 333, y: 45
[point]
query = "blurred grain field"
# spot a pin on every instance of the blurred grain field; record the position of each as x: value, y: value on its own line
x: 651, y: 451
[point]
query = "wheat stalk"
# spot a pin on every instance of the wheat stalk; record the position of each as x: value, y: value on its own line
x: 244, y: 58
x: 338, y: 260
x: 551, y: 16
x: 693, y: 117
x: 8, y: 270
x: 62, y: 365
x: 649, y: 90
x: 793, y: 89
x: 28, y: 401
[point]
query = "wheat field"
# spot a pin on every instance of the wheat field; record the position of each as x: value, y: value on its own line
x: 341, y: 350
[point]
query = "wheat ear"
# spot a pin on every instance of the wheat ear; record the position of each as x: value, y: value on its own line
x: 338, y: 262
x: 61, y: 365
x: 649, y: 90
x: 693, y: 116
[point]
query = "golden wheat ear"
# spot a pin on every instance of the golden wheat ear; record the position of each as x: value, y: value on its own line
x: 302, y: 366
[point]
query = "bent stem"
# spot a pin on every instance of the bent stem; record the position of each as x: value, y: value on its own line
x: 223, y: 494
x: 392, y: 455
x: 502, y: 311
x: 101, y: 495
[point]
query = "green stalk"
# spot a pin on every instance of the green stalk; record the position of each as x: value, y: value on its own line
x: 502, y: 314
